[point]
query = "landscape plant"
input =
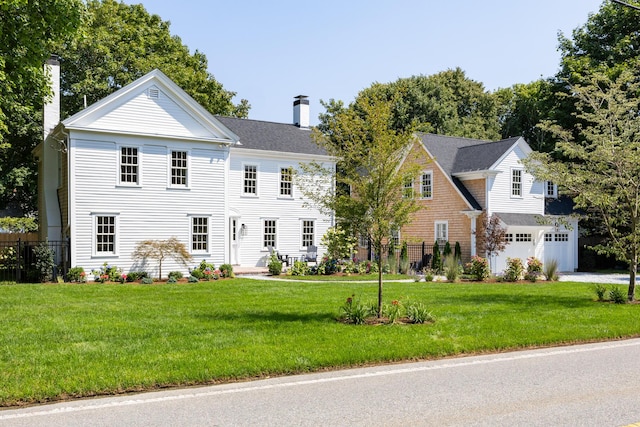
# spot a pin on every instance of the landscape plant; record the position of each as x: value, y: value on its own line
x: 551, y: 270
x: 452, y: 269
x: 534, y: 269
x: 479, y: 268
x: 274, y: 265
x: 436, y: 261
x: 160, y: 250
x: 514, y: 271
x: 44, y: 261
x: 76, y: 274
x: 404, y: 259
x: 339, y: 243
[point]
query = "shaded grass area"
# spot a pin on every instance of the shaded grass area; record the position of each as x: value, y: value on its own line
x: 58, y: 341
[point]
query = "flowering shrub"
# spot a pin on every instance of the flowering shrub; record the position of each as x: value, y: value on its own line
x: 534, y: 269
x: 274, y: 265
x: 339, y: 244
x: 392, y: 311
x: 514, y: 271
x: 299, y: 268
x: 353, y: 311
x: 106, y: 273
x: 77, y: 275
x: 478, y: 268
x: 328, y: 266
x: 226, y: 270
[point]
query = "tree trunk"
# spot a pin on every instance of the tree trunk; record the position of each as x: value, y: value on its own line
x: 379, y: 285
x: 633, y: 269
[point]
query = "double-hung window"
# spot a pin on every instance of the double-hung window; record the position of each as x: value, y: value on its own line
x: 129, y: 166
x: 105, y: 235
x: 179, y: 169
x: 442, y: 232
x: 407, y: 192
x: 199, y: 234
x: 550, y: 189
x: 250, y: 180
x: 426, y: 185
x: 308, y: 232
x: 269, y: 236
x: 516, y: 182
x: 286, y: 182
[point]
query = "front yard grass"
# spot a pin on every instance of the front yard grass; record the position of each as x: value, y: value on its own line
x: 60, y: 341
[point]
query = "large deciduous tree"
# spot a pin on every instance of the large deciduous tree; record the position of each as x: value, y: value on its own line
x: 602, y: 166
x: 446, y: 103
x: 28, y: 30
x: 123, y: 42
x: 373, y: 164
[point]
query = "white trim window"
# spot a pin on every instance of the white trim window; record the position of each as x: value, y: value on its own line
x: 199, y: 234
x: 426, y: 185
x: 550, y: 190
x: 179, y: 168
x: 105, y: 234
x: 250, y: 180
x: 286, y: 182
x: 308, y: 232
x: 441, y: 231
x: 508, y: 237
x: 516, y: 182
x: 407, y: 191
x: 129, y: 166
x: 523, y: 237
x: 269, y: 233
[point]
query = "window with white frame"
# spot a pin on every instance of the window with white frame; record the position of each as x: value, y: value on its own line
x: 551, y: 189
x: 129, y: 165
x: 105, y: 237
x: 548, y: 237
x: 179, y: 168
x: 308, y: 232
x: 395, y: 237
x: 407, y: 191
x: 426, y: 185
x: 286, y: 182
x: 269, y: 233
x: 199, y: 234
x: 523, y: 237
x: 516, y: 182
x: 562, y: 237
x: 508, y: 237
x: 442, y: 232
x: 250, y: 183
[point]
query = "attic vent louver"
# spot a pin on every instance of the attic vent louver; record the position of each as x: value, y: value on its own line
x: 154, y: 93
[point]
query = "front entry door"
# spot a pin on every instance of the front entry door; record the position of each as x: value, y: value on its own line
x: 234, y: 231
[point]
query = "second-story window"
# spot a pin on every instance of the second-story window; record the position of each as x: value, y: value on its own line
x: 250, y: 184
x: 286, y: 182
x: 129, y: 165
x: 550, y: 189
x: 516, y: 182
x: 179, y: 168
x: 426, y: 185
x: 407, y: 191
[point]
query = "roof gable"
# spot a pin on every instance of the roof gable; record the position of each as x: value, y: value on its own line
x: 153, y: 106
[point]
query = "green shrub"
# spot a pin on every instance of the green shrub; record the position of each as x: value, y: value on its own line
x: 452, y: 269
x: 349, y: 267
x: 299, y: 268
x: 428, y: 274
x: 354, y: 311
x: 514, y: 271
x: 226, y: 270
x: 457, y: 252
x: 391, y: 257
x: 193, y: 279
x: 534, y: 269
x: 617, y: 295
x: 447, y: 250
x: 275, y: 265
x: 77, y: 275
x: 197, y: 274
x: 172, y: 280
x: 136, y: 275
x: 175, y: 275
x: 405, y: 264
x: 147, y: 281
x: 600, y: 291
x: 44, y: 261
x: 479, y: 268
x: 436, y: 261
x: 392, y: 311
x: 418, y: 313
x: 551, y: 270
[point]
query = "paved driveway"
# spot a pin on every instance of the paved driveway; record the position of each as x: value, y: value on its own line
x: 615, y: 278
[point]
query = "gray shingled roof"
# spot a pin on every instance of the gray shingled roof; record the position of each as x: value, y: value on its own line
x: 455, y: 154
x: 270, y: 136
x: 520, y: 219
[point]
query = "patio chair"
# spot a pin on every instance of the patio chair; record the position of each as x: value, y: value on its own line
x: 282, y: 258
x: 312, y: 254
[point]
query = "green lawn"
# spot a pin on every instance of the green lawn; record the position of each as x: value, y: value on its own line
x: 58, y: 341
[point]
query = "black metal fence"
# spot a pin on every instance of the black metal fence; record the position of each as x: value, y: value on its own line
x: 18, y: 261
x: 420, y: 254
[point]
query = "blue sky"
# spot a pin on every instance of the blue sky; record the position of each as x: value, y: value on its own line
x: 270, y: 51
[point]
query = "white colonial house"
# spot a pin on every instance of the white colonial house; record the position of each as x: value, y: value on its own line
x: 148, y: 162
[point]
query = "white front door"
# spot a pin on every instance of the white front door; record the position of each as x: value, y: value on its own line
x: 234, y: 229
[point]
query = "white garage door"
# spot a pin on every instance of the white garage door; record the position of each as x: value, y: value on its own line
x: 557, y: 246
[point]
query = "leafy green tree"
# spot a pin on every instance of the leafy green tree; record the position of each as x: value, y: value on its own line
x: 121, y: 43
x: 28, y: 30
x: 602, y: 167
x: 372, y: 169
x: 160, y: 250
x: 446, y: 103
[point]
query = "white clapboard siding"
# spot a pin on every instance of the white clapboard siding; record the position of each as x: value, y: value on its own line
x: 499, y: 194
x: 151, y: 210
x: 288, y: 212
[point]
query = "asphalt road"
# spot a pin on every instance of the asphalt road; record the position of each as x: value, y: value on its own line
x: 585, y: 385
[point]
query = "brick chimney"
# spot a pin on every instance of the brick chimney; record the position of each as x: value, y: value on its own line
x: 52, y: 108
x: 301, y: 111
